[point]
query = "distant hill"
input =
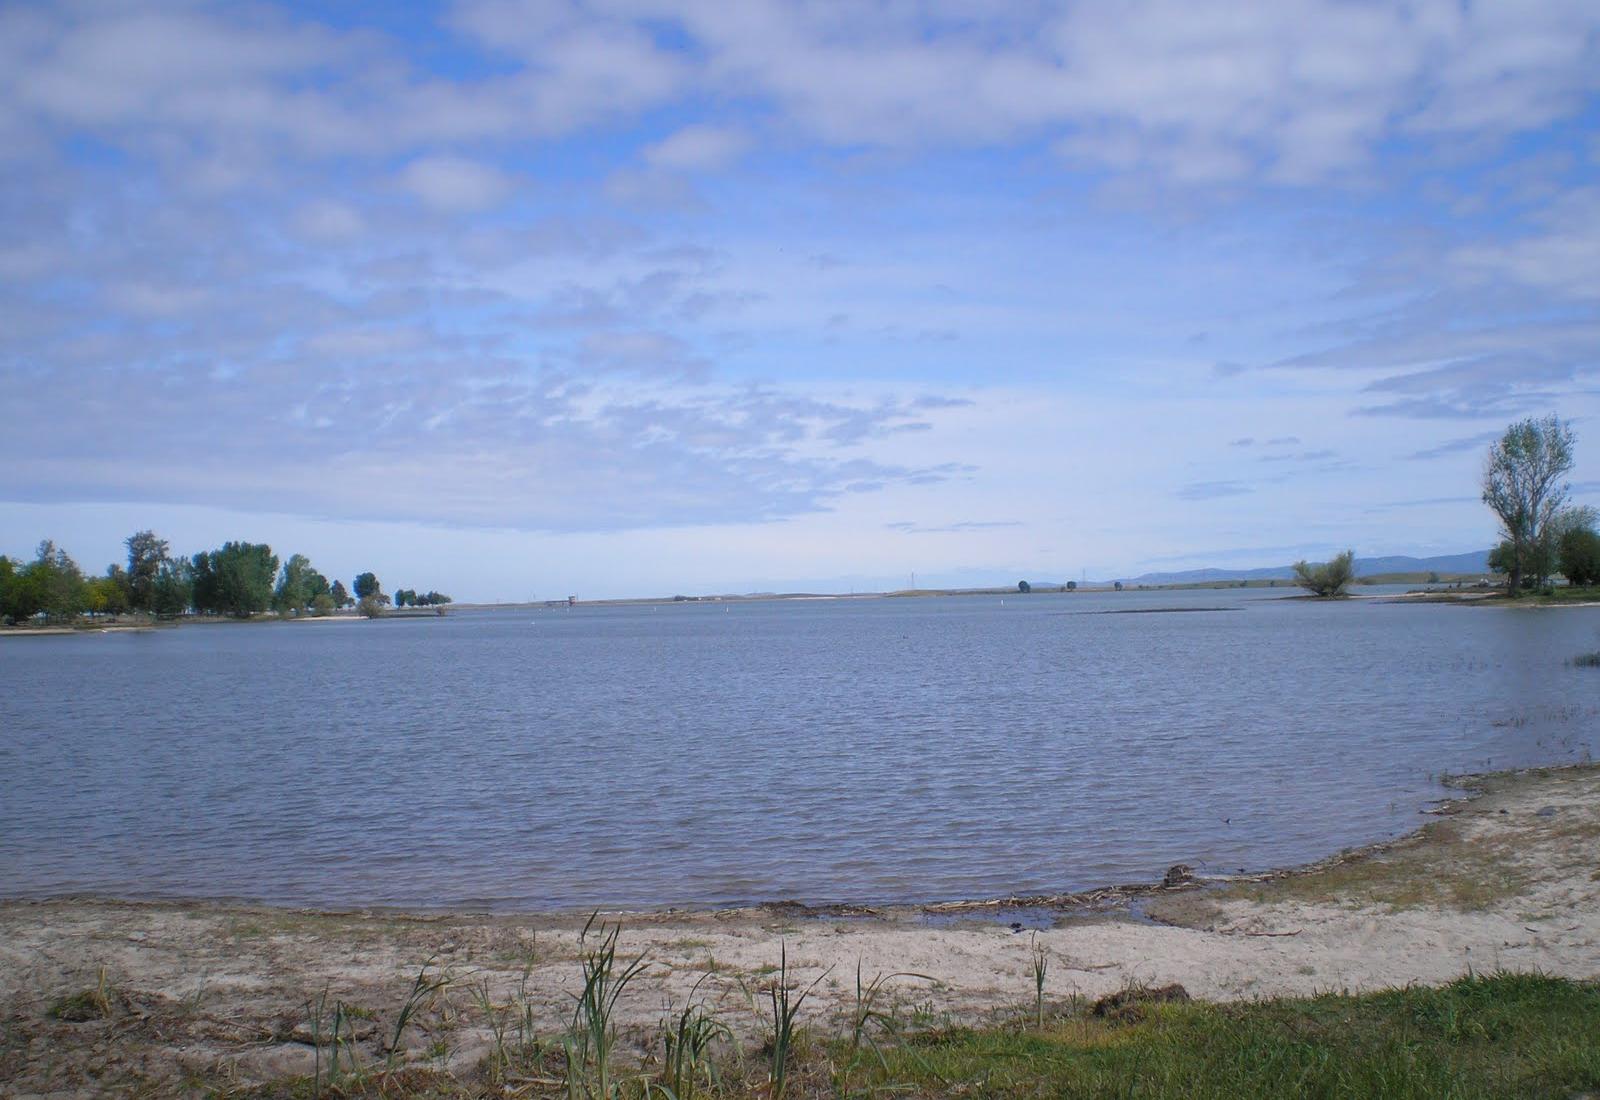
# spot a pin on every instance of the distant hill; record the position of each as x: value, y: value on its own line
x: 1475, y: 562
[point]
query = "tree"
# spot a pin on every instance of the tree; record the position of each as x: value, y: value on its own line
x: 1579, y: 555
x: 1501, y: 558
x: 174, y: 588
x: 12, y: 595
x: 235, y: 580
x: 57, y: 582
x: 367, y: 585
x: 321, y: 605
x: 370, y: 607
x: 1024, y: 586
x: 108, y: 595
x: 1327, y: 579
x: 341, y: 598
x: 146, y: 555
x: 1522, y: 486
x: 298, y: 584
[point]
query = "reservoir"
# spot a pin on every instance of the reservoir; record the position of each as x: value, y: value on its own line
x: 711, y: 754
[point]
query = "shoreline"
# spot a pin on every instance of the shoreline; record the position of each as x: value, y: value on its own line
x: 1095, y: 900
x: 1503, y: 877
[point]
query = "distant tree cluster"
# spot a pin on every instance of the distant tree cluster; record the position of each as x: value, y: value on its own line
x: 408, y: 597
x: 238, y: 579
x: 1541, y: 533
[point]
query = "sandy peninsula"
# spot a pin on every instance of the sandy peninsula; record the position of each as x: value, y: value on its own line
x: 192, y: 993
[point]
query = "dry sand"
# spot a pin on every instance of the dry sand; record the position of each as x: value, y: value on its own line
x: 218, y: 993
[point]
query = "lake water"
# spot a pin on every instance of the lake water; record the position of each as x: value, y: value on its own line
x: 713, y: 754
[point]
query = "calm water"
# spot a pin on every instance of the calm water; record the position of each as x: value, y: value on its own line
x: 695, y: 754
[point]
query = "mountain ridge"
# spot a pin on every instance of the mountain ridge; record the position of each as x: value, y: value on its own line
x: 1476, y: 561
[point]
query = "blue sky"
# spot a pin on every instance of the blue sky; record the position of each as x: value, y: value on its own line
x: 526, y: 298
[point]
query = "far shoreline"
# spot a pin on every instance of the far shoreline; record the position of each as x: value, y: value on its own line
x: 1444, y: 594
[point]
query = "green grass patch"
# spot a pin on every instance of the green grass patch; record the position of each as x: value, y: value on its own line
x: 1509, y: 1035
x: 1570, y: 593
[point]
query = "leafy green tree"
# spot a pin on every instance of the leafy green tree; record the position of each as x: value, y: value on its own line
x: 298, y: 584
x: 341, y: 598
x: 146, y: 555
x: 57, y: 582
x: 1579, y: 552
x: 317, y: 585
x: 173, y: 590
x: 321, y: 605
x: 1522, y: 485
x: 108, y: 595
x: 1024, y: 586
x: 367, y: 585
x: 235, y: 580
x: 1327, y: 579
x: 13, y: 597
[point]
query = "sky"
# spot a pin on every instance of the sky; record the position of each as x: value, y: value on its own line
x: 526, y: 298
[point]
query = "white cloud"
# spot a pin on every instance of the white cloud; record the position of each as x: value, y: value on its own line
x: 1562, y: 255
x: 697, y: 148
x: 328, y: 221
x: 455, y: 183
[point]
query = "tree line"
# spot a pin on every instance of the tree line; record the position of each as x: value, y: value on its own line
x: 238, y: 579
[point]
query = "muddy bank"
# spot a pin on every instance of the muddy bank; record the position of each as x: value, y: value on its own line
x: 168, y: 993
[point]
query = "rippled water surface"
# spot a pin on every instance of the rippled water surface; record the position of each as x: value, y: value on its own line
x: 699, y: 754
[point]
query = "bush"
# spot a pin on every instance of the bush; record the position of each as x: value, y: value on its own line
x: 371, y: 607
x: 1328, y: 579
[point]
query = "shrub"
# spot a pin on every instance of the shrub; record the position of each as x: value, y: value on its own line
x: 1328, y: 579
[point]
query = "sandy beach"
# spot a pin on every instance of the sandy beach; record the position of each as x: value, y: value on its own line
x: 1506, y: 878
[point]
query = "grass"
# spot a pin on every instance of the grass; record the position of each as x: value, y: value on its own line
x: 785, y: 1011
x: 1500, y: 1035
x: 1569, y: 593
x: 1441, y: 867
x: 88, y: 1004
x: 1504, y: 1035
x: 1040, y: 957
x: 687, y: 1041
x: 593, y: 1034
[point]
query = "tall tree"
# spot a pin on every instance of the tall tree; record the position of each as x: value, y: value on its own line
x: 146, y: 555
x: 1522, y: 485
x: 57, y: 582
x: 174, y: 588
x: 12, y: 596
x: 341, y: 598
x: 298, y: 584
x: 235, y: 580
x: 367, y: 585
